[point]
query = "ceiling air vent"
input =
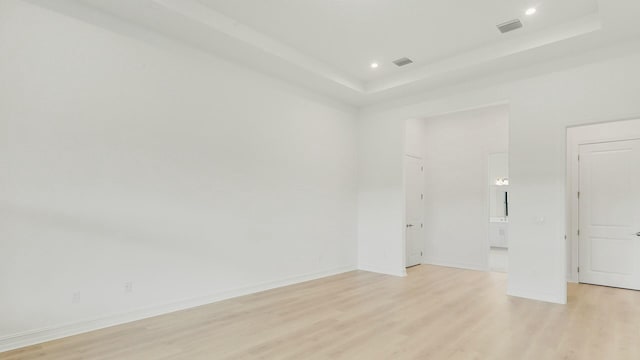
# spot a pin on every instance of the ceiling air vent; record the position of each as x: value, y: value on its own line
x: 509, y: 26
x: 403, y: 61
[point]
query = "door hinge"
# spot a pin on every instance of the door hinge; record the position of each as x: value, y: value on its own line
x: 578, y: 268
x: 578, y: 157
x: 421, y: 196
x: 420, y: 253
x: 421, y: 168
x: 578, y: 194
x: 578, y: 232
x: 421, y: 225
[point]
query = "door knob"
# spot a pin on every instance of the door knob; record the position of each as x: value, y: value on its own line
x: 410, y: 225
x: 638, y: 233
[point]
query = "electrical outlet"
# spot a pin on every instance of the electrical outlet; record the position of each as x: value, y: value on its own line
x: 128, y: 287
x: 75, y: 297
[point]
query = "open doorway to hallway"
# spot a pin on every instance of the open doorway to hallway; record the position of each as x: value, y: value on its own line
x: 456, y: 189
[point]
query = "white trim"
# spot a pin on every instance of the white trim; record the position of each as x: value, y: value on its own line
x: 457, y: 265
x: 534, y: 295
x: 413, y: 156
x: 622, y: 130
x: 394, y: 272
x: 32, y: 337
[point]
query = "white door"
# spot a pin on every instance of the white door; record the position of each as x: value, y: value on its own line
x: 609, y: 214
x: 413, y: 212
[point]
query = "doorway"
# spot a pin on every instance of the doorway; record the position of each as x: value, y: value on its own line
x: 604, y: 177
x: 454, y: 151
x: 609, y: 214
x: 414, y: 197
x: 498, y: 170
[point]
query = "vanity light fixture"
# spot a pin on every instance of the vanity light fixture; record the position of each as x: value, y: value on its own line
x: 502, y: 181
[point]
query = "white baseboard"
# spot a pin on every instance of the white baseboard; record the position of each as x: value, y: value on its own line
x: 395, y: 272
x: 452, y: 264
x: 33, y: 337
x: 534, y: 295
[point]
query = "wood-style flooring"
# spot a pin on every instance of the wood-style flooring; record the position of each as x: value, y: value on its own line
x: 434, y: 313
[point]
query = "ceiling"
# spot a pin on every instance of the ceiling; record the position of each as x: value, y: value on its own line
x: 328, y: 45
x: 350, y: 34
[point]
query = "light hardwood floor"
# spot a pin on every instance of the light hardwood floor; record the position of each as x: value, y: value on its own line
x: 434, y: 313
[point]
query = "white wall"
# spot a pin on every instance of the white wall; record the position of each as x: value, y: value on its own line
x: 191, y: 177
x: 456, y: 149
x: 593, y: 87
x: 414, y: 138
x: 381, y: 203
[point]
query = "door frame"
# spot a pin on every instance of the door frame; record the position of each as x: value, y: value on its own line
x: 583, y: 135
x: 404, y: 172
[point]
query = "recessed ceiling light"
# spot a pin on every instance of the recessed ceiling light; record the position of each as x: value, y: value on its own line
x: 531, y: 11
x: 374, y: 65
